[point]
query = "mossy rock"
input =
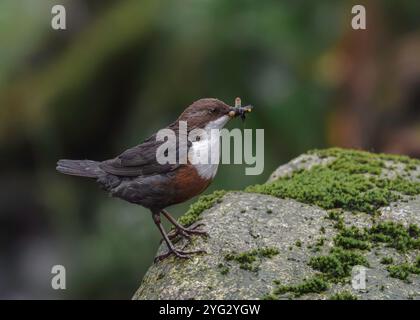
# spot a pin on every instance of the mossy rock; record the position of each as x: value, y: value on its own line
x: 368, y: 214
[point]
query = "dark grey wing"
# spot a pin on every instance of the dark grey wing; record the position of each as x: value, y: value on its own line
x: 138, y: 161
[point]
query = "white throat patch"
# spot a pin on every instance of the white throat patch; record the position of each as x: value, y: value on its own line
x: 206, y: 145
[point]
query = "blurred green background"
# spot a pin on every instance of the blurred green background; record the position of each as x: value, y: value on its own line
x: 124, y: 69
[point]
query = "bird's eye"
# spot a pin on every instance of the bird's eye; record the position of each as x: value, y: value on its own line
x: 198, y: 138
x: 212, y: 110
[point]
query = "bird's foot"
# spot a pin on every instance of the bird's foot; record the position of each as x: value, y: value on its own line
x: 187, y: 232
x: 178, y: 253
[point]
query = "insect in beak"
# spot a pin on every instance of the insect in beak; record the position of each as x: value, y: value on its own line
x: 238, y: 110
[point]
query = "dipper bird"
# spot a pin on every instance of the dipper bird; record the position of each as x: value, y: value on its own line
x: 137, y: 177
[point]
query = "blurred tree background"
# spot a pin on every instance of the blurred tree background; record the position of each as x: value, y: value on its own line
x: 124, y: 69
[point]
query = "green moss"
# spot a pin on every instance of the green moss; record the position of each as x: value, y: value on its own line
x: 223, y: 268
x: 338, y: 152
x: 351, y: 181
x: 351, y: 243
x: 395, y: 235
x: 268, y: 252
x: 320, y: 242
x: 203, y: 203
x: 387, y: 260
x: 411, y: 166
x: 269, y: 296
x: 338, y: 263
x: 316, y: 284
x: 247, y: 260
x: 337, y: 216
x: 352, y: 238
x: 298, y: 243
x: 334, y: 215
x: 344, y: 295
x: 402, y: 271
x: 392, y: 234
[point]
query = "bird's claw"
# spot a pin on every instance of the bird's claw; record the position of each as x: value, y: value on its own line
x: 178, y: 232
x: 187, y: 232
x: 178, y: 253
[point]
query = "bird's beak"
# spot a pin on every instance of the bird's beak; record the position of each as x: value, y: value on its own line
x: 239, y: 111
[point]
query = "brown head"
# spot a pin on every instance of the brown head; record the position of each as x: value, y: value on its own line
x: 209, y: 112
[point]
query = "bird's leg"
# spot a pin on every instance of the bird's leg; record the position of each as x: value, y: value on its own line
x: 171, y: 247
x: 180, y: 229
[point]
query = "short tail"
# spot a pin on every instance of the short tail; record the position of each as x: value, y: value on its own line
x: 81, y: 168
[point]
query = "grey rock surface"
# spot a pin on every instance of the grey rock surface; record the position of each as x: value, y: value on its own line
x: 244, y: 221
